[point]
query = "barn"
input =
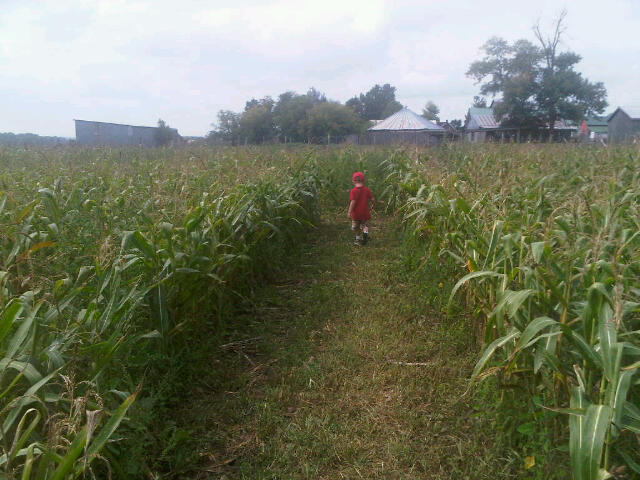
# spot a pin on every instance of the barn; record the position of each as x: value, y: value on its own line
x: 403, y: 127
x: 116, y: 134
x: 481, y: 125
x: 624, y: 125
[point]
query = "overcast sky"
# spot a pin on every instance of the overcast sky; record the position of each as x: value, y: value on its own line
x: 134, y: 61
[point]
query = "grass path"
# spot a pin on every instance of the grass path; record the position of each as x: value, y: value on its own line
x: 343, y: 368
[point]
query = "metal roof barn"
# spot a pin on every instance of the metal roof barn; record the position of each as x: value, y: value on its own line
x: 481, y: 118
x: 405, y: 120
x: 402, y: 128
x: 90, y: 132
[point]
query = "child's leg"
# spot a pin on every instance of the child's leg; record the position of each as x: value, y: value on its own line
x: 365, y: 231
x: 356, y: 226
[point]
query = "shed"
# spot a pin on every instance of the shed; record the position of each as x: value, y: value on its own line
x: 480, y: 125
x: 403, y: 127
x: 90, y: 132
x: 624, y: 125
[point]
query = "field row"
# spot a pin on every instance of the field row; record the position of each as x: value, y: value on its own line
x: 111, y: 265
x: 547, y: 244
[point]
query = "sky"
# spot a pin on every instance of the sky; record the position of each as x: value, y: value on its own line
x: 135, y: 61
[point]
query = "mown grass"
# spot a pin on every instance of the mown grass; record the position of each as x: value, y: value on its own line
x: 352, y: 370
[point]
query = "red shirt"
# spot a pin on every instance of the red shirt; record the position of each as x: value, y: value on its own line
x: 361, y: 195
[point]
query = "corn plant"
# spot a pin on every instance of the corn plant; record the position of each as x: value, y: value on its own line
x: 551, y: 252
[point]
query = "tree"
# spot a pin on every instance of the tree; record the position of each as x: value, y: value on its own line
x: 537, y: 84
x: 479, y: 102
x: 163, y: 134
x: 378, y: 103
x: 257, y: 122
x: 563, y: 93
x: 431, y: 111
x: 391, y: 108
x: 290, y: 113
x: 227, y: 129
x: 316, y: 96
x: 457, y: 124
x: 331, y: 118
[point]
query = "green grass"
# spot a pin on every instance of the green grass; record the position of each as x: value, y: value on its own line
x: 355, y: 373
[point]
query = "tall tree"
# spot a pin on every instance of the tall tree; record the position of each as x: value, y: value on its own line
x: 227, y: 129
x: 331, y: 118
x: 257, y: 123
x: 379, y: 102
x: 563, y: 93
x: 290, y: 113
x: 431, y: 111
x: 536, y: 84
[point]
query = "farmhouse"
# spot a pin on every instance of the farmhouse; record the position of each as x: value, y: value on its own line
x: 403, y: 127
x: 116, y: 134
x: 624, y: 125
x: 590, y: 128
x: 480, y: 125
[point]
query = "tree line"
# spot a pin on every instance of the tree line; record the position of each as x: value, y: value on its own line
x: 30, y: 139
x: 532, y: 84
x: 309, y: 117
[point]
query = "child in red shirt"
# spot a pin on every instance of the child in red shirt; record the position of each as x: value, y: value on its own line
x: 359, y: 197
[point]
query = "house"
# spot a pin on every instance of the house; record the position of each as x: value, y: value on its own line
x: 403, y: 127
x: 591, y: 128
x: 116, y: 134
x: 480, y: 125
x: 624, y: 125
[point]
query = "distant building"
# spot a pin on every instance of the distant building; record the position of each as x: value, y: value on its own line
x: 403, y: 127
x: 480, y: 125
x: 593, y: 128
x: 624, y: 125
x: 116, y: 134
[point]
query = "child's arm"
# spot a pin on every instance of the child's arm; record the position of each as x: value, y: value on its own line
x: 352, y: 204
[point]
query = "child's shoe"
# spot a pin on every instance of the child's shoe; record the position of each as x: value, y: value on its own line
x: 358, y: 241
x: 365, y: 238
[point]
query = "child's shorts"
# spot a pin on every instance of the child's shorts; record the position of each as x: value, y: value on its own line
x: 359, y: 224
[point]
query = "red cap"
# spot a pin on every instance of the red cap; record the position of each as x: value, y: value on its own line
x: 358, y: 177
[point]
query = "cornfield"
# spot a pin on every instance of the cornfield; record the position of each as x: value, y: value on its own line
x: 110, y: 259
x: 106, y: 259
x: 547, y: 244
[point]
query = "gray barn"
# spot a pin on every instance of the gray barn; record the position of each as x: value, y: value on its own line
x: 624, y: 125
x: 116, y: 134
x: 403, y: 127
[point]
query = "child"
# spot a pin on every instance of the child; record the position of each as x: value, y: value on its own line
x: 359, y: 197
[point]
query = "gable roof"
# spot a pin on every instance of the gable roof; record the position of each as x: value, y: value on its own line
x: 632, y: 112
x: 480, y: 118
x: 405, y: 119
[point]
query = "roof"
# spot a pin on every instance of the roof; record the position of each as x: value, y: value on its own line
x: 596, y: 122
x: 482, y: 117
x: 111, y: 123
x: 631, y: 111
x: 405, y: 119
